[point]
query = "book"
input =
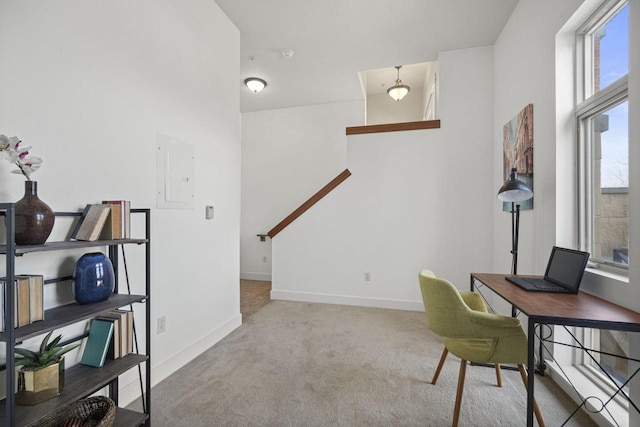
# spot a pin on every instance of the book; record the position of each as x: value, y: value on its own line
x: 123, y: 209
x: 127, y: 219
x: 17, y: 299
x: 36, y: 297
x: 113, y: 352
x: 95, y: 350
x: 74, y: 232
x: 124, y: 330
x: 127, y: 330
x: 21, y: 301
x: 91, y: 222
x: 122, y: 339
x: 113, y: 229
x: 130, y: 332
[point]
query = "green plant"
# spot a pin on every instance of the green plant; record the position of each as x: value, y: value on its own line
x: 49, y: 353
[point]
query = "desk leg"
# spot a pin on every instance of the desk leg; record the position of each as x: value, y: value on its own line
x: 542, y: 366
x: 531, y: 374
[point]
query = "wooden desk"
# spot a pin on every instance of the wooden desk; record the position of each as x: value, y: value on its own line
x: 582, y: 310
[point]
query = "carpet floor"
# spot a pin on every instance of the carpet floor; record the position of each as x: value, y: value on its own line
x: 302, y: 364
x: 254, y: 294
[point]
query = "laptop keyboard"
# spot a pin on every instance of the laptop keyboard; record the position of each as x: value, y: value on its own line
x: 542, y: 284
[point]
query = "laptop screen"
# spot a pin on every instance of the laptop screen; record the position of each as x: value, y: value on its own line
x: 566, y: 267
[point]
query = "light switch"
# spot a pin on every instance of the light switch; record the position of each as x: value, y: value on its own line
x: 209, y: 212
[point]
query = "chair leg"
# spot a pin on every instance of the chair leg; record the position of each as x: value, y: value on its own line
x: 498, y: 375
x: 445, y: 352
x: 536, y: 409
x: 456, y: 411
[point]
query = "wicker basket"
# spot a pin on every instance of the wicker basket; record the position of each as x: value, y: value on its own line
x: 99, y: 411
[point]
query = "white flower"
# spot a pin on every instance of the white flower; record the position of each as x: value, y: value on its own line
x: 12, y: 151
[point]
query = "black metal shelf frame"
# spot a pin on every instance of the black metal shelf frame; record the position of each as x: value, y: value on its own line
x: 73, y: 313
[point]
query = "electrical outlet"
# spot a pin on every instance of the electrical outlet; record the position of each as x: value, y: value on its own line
x: 367, y: 276
x: 162, y: 324
x: 264, y: 258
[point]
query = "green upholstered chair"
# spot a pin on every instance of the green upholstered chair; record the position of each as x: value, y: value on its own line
x: 471, y: 333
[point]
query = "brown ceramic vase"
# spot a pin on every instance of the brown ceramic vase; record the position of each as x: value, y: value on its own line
x: 34, y: 218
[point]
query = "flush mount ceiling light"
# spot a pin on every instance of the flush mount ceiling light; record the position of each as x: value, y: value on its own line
x: 255, y: 84
x: 398, y: 90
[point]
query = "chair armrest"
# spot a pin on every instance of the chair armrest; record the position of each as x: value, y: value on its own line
x: 474, y: 301
x: 490, y: 320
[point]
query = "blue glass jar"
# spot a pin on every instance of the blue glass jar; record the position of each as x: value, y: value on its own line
x: 93, y: 278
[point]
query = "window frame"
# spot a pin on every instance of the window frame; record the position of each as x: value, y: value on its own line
x: 589, y: 105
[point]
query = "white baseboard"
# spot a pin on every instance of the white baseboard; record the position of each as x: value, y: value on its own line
x: 265, y: 277
x: 131, y: 391
x: 347, y: 300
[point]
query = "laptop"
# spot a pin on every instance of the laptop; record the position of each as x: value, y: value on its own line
x: 564, y: 273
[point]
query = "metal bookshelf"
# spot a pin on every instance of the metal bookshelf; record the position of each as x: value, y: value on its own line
x: 80, y: 380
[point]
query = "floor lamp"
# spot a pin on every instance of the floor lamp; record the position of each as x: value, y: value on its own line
x: 513, y: 190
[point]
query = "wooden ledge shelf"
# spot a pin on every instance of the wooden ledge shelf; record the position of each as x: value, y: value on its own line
x: 394, y: 127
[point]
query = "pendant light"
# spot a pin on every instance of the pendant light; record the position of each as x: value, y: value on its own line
x: 399, y: 90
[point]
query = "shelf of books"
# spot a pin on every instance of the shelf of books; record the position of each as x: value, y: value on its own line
x: 72, y: 313
x: 110, y: 347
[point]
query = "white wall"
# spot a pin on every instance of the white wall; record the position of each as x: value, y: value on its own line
x: 382, y: 109
x: 418, y: 199
x: 89, y: 84
x: 529, y: 69
x: 287, y: 156
x: 553, y: 219
x: 525, y: 66
x: 524, y: 74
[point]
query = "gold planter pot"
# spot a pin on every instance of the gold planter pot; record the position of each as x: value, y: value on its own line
x: 35, y: 386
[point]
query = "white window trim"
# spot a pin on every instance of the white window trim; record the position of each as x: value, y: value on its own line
x: 606, y: 10
x: 615, y: 93
x: 571, y: 41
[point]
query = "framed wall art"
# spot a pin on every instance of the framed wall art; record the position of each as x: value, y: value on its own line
x: 517, y: 149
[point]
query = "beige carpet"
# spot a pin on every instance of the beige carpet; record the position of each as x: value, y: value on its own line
x: 301, y: 364
x: 254, y: 294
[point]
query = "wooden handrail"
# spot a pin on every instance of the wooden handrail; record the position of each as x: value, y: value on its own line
x: 394, y: 127
x: 312, y: 201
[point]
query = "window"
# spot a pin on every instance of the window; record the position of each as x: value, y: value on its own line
x: 602, y: 116
x: 603, y: 147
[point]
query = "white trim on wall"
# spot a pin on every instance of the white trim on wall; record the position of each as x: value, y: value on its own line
x: 256, y: 276
x: 347, y: 300
x: 131, y: 391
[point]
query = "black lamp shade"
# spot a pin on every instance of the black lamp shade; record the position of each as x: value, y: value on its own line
x: 514, y: 190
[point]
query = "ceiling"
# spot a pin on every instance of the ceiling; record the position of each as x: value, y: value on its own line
x: 334, y: 40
